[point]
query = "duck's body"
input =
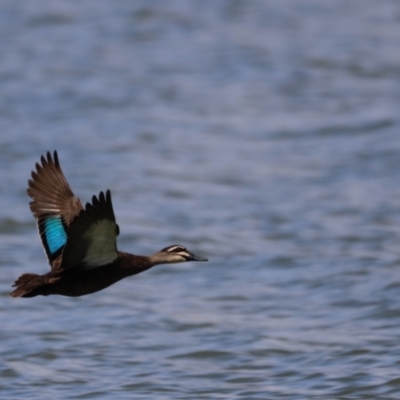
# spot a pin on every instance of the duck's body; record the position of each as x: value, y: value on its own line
x: 80, y: 243
x: 79, y: 281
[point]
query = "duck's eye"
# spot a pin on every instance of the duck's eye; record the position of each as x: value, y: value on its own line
x: 175, y: 249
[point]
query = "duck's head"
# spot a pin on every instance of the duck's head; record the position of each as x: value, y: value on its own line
x: 175, y: 254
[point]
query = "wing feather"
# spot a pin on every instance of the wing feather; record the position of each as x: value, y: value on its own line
x: 92, y: 235
x: 54, y: 205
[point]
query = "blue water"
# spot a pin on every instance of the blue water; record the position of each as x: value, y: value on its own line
x: 264, y: 135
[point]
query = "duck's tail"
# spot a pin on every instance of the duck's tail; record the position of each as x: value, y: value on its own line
x: 28, y: 285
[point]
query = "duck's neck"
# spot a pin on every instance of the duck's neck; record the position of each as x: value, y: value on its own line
x: 158, y: 258
x: 135, y: 264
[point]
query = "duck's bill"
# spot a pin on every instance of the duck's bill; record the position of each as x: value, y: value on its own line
x: 193, y: 257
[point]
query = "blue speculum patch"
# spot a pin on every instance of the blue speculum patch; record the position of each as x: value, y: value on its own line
x: 55, y: 233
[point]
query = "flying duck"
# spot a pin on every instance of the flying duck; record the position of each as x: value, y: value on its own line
x: 80, y: 242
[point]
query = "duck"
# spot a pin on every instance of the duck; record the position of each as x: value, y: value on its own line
x: 80, y: 242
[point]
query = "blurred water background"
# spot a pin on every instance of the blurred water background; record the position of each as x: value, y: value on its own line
x: 264, y: 135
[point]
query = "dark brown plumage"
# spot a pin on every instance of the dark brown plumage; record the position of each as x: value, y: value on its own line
x: 80, y: 243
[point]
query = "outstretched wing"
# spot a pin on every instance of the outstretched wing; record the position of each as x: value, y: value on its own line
x: 92, y: 236
x: 54, y: 205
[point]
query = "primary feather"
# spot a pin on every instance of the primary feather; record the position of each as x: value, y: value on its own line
x: 92, y: 235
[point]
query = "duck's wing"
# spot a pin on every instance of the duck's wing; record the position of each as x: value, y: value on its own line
x: 54, y: 205
x: 92, y: 236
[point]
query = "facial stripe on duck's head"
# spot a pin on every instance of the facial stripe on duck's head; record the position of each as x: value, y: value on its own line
x: 176, y: 248
x: 177, y: 253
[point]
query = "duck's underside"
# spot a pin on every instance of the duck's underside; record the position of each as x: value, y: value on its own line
x: 73, y: 283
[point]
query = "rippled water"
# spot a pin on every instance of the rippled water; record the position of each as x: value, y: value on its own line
x: 262, y: 135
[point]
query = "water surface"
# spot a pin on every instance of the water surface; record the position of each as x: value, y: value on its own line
x: 262, y: 135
